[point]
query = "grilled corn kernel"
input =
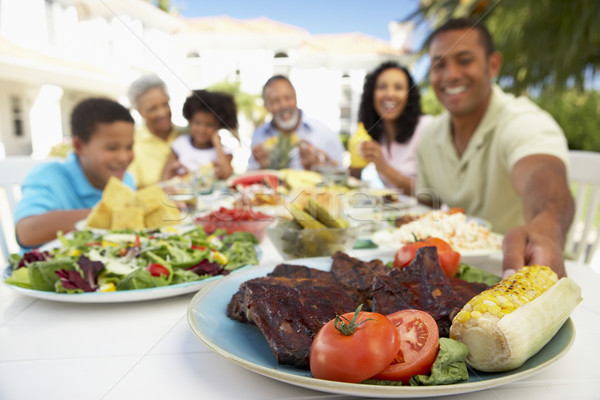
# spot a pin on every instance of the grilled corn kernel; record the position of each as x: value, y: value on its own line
x: 524, y: 285
x: 507, y: 334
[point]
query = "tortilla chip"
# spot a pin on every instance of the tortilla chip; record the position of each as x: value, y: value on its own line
x: 167, y: 214
x: 151, y: 198
x: 100, y: 216
x: 117, y: 194
x: 127, y: 217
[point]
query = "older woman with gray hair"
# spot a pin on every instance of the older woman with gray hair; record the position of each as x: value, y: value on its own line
x: 152, y: 146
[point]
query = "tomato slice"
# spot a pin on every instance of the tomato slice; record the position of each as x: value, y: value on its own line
x: 419, y: 343
x: 157, y: 270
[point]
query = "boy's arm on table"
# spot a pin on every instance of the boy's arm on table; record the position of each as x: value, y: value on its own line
x: 36, y: 230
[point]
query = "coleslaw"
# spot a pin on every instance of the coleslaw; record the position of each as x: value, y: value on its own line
x: 457, y: 229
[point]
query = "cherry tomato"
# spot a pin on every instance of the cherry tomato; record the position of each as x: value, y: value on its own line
x: 157, y: 270
x: 353, y: 347
x: 449, y: 259
x: 419, y: 343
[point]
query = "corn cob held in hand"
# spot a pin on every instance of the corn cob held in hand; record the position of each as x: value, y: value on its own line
x: 511, y: 321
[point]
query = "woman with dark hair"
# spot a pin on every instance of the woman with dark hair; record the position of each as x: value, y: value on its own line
x: 390, y: 125
x: 207, y: 113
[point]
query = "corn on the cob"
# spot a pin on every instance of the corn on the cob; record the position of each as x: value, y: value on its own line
x: 508, y: 323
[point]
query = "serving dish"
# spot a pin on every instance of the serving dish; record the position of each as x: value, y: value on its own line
x: 382, y: 238
x: 124, y: 296
x: 180, y: 226
x: 244, y: 345
x: 291, y: 243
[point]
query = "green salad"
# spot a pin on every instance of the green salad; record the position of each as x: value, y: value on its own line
x: 118, y: 260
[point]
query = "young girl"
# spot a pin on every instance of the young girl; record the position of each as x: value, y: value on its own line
x: 206, y: 112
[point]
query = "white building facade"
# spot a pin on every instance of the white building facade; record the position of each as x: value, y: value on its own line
x: 71, y: 49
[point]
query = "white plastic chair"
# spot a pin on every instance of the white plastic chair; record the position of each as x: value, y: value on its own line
x: 13, y: 171
x: 584, y: 175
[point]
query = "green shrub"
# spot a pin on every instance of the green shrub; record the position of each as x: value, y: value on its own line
x: 578, y: 114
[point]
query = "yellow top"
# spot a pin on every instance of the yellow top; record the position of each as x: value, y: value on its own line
x: 356, y: 161
x: 150, y: 155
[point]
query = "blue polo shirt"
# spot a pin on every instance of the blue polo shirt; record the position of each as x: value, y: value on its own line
x: 309, y: 129
x: 58, y: 186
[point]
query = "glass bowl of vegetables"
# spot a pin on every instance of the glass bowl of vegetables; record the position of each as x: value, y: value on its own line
x: 294, y: 241
x: 235, y: 219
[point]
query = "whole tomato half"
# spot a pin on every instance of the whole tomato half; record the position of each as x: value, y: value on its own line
x: 449, y: 259
x: 419, y: 337
x: 353, y: 347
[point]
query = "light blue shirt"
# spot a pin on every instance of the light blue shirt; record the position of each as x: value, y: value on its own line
x: 309, y: 129
x: 59, y: 186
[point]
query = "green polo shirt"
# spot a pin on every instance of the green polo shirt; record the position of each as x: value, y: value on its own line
x: 480, y: 181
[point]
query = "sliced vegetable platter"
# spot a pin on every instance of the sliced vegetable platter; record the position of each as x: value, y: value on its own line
x: 245, y: 345
x: 126, y: 265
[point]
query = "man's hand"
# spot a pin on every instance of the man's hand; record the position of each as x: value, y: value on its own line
x: 532, y: 244
x: 548, y: 208
x: 261, y: 155
x: 311, y: 157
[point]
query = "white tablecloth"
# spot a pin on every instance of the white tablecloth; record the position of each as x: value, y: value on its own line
x: 146, y: 350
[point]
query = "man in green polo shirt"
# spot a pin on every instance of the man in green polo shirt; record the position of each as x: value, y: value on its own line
x: 499, y: 157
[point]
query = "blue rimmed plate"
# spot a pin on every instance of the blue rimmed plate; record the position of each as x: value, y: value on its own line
x: 244, y: 345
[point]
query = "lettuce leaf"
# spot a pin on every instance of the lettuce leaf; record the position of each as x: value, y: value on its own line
x: 42, y: 274
x: 474, y: 274
x: 240, y: 254
x: 448, y: 367
x: 19, y: 277
x: 140, y: 279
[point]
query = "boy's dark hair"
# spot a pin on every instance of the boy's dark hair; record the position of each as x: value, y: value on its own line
x: 276, y: 78
x: 373, y: 122
x: 93, y: 111
x: 466, y: 23
x: 221, y: 105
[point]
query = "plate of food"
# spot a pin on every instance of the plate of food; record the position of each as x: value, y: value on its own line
x: 210, y: 318
x: 127, y: 265
x: 471, y: 237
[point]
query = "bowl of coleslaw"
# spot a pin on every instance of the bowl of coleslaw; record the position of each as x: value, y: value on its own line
x: 471, y: 237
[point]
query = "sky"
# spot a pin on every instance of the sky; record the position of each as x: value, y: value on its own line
x: 316, y: 16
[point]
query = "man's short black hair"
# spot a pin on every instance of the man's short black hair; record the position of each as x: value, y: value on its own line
x: 276, y: 78
x: 465, y: 23
x: 93, y: 111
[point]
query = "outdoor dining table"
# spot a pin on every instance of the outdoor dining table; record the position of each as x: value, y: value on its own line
x: 146, y: 350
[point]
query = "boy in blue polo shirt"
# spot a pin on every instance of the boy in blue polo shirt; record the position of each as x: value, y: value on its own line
x: 58, y: 194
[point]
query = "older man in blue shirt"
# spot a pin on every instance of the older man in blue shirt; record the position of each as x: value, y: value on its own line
x: 316, y: 143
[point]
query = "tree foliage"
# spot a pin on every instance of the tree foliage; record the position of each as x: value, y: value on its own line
x: 578, y: 113
x: 544, y: 43
x: 250, y: 105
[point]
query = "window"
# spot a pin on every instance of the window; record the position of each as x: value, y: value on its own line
x: 17, y: 116
x: 346, y: 104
